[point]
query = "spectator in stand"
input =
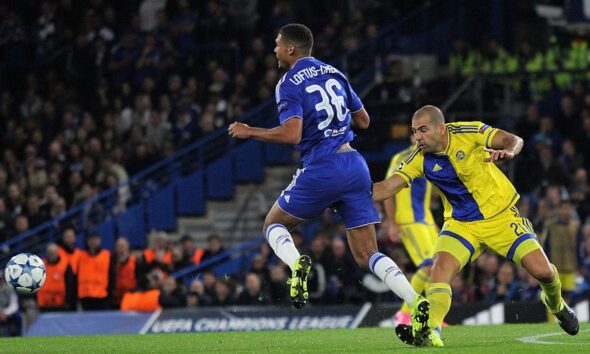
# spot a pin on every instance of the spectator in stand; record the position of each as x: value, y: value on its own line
x: 505, y: 287
x: 209, y: 282
x: 10, y: 317
x: 158, y: 256
x: 462, y: 292
x: 171, y: 295
x: 126, y: 270
x: 561, y: 245
x: 277, y: 288
x: 66, y: 248
x: 59, y: 291
x: 531, y: 290
x: 342, y: 274
x: 197, y: 295
x: 95, y: 275
x: 214, y: 247
x: 260, y: 268
x: 252, y: 294
x: 224, y: 293
x: 191, y: 254
x: 5, y: 222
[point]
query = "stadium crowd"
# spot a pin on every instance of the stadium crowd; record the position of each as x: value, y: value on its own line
x: 93, y: 92
x: 90, y: 96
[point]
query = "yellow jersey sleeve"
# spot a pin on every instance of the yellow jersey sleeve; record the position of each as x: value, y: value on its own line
x: 412, y: 166
x: 481, y: 132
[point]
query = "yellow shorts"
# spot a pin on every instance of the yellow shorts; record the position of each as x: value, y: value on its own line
x: 568, y: 281
x: 507, y: 234
x: 418, y: 239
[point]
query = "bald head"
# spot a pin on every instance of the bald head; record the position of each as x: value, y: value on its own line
x: 432, y: 112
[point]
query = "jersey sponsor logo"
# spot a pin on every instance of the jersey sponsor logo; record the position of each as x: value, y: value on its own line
x: 436, y: 168
x: 334, y: 132
x: 460, y: 155
x: 483, y: 128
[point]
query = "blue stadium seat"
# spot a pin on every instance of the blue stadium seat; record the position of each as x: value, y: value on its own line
x: 190, y: 194
x: 278, y: 154
x: 220, y: 179
x: 106, y: 230
x: 131, y: 225
x: 248, y: 162
x: 161, y: 212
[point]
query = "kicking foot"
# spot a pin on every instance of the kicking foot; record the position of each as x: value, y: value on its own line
x: 420, y: 312
x: 298, y: 282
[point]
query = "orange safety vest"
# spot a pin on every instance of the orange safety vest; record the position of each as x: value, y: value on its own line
x: 93, y: 275
x: 53, y: 293
x: 73, y: 258
x: 198, y: 255
x: 141, y: 301
x: 126, y: 280
x: 149, y: 255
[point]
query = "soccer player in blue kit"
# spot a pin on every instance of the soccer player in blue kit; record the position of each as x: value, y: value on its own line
x: 316, y: 105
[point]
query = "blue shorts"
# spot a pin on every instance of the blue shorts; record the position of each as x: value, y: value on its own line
x: 340, y: 181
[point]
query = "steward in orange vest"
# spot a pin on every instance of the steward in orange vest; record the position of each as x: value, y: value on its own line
x: 158, y: 256
x: 125, y: 266
x: 59, y: 292
x: 95, y: 278
x: 67, y: 249
x: 191, y: 254
x: 141, y: 301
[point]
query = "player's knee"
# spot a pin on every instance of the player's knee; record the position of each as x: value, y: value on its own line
x: 544, y: 274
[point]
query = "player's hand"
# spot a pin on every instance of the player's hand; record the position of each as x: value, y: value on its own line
x: 239, y: 130
x: 498, y: 155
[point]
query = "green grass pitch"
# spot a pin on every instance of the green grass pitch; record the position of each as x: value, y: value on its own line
x: 537, y: 338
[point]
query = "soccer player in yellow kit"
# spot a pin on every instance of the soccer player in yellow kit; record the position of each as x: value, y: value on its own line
x: 479, y: 202
x: 409, y: 213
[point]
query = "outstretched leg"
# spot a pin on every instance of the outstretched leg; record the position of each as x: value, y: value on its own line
x: 363, y: 245
x: 276, y: 228
x: 537, y: 264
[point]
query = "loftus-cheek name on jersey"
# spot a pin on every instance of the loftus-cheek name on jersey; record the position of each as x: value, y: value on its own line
x: 311, y: 72
x: 334, y: 132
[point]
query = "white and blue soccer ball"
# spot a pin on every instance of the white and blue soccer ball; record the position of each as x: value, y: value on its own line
x: 25, y: 272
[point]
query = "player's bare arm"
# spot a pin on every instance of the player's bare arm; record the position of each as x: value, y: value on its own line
x: 389, y: 206
x: 387, y: 188
x: 287, y: 133
x: 361, y: 119
x: 504, y: 146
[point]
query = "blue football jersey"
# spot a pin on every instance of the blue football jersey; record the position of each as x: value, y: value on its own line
x: 322, y: 96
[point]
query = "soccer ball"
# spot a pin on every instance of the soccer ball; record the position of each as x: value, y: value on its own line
x: 25, y: 272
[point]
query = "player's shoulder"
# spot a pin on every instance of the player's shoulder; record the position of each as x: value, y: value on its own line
x: 464, y: 127
x: 411, y: 153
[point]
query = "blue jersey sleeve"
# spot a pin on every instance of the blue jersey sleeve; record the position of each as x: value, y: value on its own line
x: 289, y: 101
x: 354, y: 102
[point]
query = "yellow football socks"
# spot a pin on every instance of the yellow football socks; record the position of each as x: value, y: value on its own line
x: 552, y: 292
x: 439, y: 296
x: 420, y: 281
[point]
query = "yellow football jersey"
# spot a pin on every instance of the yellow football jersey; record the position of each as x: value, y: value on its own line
x: 412, y: 204
x: 471, y: 189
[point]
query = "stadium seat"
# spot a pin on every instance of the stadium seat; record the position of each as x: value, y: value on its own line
x: 220, y: 179
x: 160, y: 208
x: 248, y: 163
x: 190, y: 194
x: 131, y: 224
x: 278, y: 154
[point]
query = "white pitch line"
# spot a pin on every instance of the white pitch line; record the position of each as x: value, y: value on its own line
x: 537, y: 339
